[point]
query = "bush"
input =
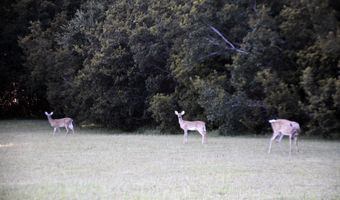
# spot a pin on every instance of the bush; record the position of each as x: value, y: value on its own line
x: 232, y: 114
x: 162, y: 108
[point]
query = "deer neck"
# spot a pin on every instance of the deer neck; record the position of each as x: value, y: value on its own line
x: 180, y: 121
x: 50, y: 120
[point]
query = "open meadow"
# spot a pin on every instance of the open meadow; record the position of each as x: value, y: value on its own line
x: 96, y: 164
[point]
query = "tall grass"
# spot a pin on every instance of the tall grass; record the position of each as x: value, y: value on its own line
x: 97, y: 164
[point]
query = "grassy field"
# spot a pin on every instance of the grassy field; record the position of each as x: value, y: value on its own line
x: 96, y: 164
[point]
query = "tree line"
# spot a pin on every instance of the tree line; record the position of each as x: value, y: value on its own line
x: 131, y: 63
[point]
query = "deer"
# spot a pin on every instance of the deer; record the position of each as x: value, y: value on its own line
x: 57, y: 123
x: 191, y: 126
x: 282, y: 127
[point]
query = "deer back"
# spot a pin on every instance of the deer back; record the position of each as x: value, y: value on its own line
x: 284, y: 126
x: 60, y: 122
x: 192, y: 125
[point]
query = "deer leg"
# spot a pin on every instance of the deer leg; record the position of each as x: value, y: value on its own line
x: 271, y: 141
x: 54, y: 131
x: 290, y: 144
x: 278, y: 139
x: 71, y: 127
x: 66, y: 129
x: 296, y: 143
x: 185, y: 137
x: 203, y: 136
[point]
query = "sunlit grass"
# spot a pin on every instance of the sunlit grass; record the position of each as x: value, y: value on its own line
x: 97, y: 164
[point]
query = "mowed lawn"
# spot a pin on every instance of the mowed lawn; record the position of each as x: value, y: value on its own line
x: 103, y: 164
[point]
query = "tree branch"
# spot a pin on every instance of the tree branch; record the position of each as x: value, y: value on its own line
x: 254, y: 6
x: 211, y: 54
x: 220, y: 34
x: 231, y: 46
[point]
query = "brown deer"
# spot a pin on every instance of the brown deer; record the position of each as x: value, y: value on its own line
x: 191, y: 126
x: 283, y: 127
x: 57, y: 123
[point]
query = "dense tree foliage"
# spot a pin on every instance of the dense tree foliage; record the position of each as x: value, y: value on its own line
x: 131, y: 63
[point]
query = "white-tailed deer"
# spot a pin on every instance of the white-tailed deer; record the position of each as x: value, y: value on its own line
x: 191, y: 126
x: 283, y: 127
x: 57, y: 123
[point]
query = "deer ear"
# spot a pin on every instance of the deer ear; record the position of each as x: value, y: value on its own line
x: 176, y: 112
x: 46, y: 113
x: 182, y: 113
x: 51, y: 113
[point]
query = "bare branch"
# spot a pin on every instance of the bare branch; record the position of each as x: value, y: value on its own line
x: 211, y: 54
x: 254, y: 6
x: 220, y: 34
x: 241, y: 51
x: 213, y: 41
x: 231, y: 46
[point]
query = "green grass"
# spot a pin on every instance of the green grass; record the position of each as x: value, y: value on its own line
x: 95, y: 164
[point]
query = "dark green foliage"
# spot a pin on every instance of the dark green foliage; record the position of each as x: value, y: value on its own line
x: 163, y: 109
x: 23, y: 93
x: 231, y: 113
x: 282, y: 99
x: 130, y: 63
x: 320, y: 82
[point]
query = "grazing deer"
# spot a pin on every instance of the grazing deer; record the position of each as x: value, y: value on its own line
x: 283, y: 127
x: 191, y: 126
x: 57, y: 123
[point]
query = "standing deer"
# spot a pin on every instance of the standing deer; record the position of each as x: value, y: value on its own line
x: 57, y: 123
x: 283, y: 127
x: 191, y: 126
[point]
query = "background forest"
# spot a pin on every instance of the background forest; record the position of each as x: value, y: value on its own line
x: 130, y: 63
